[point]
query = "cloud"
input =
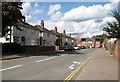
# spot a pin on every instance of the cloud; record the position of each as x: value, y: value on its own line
x: 114, y: 0
x: 56, y: 16
x: 53, y: 9
x: 54, y: 13
x: 87, y: 21
x: 28, y: 18
x: 37, y: 11
x: 86, y: 28
x: 83, y: 13
x: 26, y: 8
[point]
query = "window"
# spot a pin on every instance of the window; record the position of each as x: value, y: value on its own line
x: 47, y: 34
x: 16, y: 39
x: 23, y: 40
x: 7, y: 39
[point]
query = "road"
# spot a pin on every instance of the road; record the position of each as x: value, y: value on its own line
x: 53, y: 66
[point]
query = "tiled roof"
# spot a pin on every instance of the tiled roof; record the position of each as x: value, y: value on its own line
x: 26, y: 25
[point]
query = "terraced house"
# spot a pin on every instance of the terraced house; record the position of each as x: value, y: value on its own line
x: 32, y: 36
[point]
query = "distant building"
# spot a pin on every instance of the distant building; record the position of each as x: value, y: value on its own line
x: 93, y: 42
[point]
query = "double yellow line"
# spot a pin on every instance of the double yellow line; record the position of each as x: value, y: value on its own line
x: 76, y: 70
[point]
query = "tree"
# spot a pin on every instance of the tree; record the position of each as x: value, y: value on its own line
x: 113, y: 28
x: 11, y: 14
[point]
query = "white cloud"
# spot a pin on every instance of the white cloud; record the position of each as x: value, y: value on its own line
x: 28, y: 17
x: 114, y: 0
x: 37, y: 11
x: 84, y: 20
x: 53, y: 9
x: 26, y: 8
x: 83, y: 13
x: 56, y: 16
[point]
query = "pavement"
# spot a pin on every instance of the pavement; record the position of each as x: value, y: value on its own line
x: 102, y: 66
x: 19, y: 55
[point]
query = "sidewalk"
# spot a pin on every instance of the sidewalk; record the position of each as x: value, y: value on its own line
x: 102, y: 66
x: 16, y: 56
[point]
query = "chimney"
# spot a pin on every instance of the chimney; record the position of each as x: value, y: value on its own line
x: 42, y: 23
x: 64, y: 32
x: 70, y: 34
x: 55, y: 29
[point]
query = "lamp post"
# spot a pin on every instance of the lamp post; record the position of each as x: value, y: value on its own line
x: 40, y: 36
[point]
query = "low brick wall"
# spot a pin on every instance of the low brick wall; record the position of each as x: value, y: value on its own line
x: 117, y: 49
x: 37, y: 49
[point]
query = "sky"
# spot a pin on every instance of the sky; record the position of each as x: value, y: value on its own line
x: 85, y: 18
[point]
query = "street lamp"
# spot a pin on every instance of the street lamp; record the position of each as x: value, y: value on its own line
x: 40, y: 36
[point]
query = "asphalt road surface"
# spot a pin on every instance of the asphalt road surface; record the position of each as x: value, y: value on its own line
x: 53, y: 66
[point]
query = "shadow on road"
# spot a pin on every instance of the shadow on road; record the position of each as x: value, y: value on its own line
x: 58, y: 53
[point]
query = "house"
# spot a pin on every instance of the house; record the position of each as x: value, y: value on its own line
x: 47, y: 38
x: 67, y: 39
x: 28, y: 35
x: 93, y: 42
x: 24, y: 34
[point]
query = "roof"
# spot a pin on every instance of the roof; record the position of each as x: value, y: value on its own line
x: 26, y: 25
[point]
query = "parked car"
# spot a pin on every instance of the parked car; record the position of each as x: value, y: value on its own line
x: 82, y: 47
x: 87, y: 47
x: 68, y: 48
x: 77, y: 47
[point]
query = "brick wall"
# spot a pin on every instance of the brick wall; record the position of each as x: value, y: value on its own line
x: 117, y: 49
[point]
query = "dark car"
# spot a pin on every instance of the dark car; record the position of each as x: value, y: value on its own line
x: 87, y: 47
x: 82, y: 47
x: 68, y: 48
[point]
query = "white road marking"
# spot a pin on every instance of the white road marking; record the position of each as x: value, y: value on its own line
x: 72, y: 66
x: 11, y: 68
x: 49, y: 58
x: 75, y: 62
x: 39, y: 61
x: 45, y: 59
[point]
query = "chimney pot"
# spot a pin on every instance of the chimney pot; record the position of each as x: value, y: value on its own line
x: 42, y: 23
x: 55, y: 29
x: 64, y: 32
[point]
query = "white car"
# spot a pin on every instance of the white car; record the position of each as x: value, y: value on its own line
x: 77, y: 47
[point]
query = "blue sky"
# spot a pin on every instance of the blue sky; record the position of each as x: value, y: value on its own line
x: 65, y: 6
x: 74, y: 17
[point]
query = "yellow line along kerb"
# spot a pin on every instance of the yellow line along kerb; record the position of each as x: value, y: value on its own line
x: 76, y: 70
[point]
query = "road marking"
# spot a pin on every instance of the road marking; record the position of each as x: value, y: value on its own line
x: 11, y: 68
x: 76, y: 70
x: 45, y: 59
x: 49, y: 58
x: 75, y: 62
x: 39, y: 61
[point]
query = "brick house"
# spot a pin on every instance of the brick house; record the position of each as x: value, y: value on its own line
x: 93, y: 42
